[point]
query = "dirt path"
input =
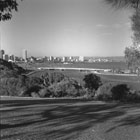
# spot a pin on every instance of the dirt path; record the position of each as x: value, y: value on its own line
x: 68, y: 120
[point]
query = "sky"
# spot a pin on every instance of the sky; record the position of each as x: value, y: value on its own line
x: 67, y: 28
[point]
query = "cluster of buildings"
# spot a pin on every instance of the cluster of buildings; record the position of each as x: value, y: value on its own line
x: 68, y: 59
x: 61, y: 59
x: 13, y: 58
x: 64, y: 59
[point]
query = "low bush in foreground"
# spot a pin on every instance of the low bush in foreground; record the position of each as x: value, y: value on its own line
x: 68, y: 87
x: 18, y: 86
x: 120, y: 92
x: 104, y: 92
x: 117, y: 92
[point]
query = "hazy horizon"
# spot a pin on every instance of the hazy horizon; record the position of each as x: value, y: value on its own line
x: 67, y: 28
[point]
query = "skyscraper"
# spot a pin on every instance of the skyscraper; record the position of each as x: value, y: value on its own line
x: 24, y: 55
x: 6, y: 57
x: 1, y: 54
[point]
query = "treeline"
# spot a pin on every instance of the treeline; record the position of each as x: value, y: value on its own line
x: 14, y: 82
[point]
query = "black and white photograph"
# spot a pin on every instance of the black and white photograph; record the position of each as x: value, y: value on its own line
x: 70, y: 69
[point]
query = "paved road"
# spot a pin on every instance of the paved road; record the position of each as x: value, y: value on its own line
x: 64, y: 119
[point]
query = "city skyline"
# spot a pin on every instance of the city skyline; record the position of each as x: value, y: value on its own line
x: 67, y: 28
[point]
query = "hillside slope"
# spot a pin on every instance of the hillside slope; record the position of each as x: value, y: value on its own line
x: 8, y: 68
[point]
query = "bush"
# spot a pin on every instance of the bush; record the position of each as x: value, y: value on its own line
x: 19, y: 85
x: 68, y: 87
x: 88, y: 94
x: 32, y: 91
x: 52, y: 77
x: 135, y: 97
x: 11, y: 86
x: 120, y: 92
x: 3, y: 91
x: 8, y: 66
x: 104, y: 92
x: 92, y: 81
x: 44, y: 92
x: 33, y: 81
x: 117, y: 92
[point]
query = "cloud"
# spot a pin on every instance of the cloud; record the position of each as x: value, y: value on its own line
x: 106, y: 34
x: 128, y: 24
x: 117, y: 25
x: 101, y: 26
x: 113, y: 26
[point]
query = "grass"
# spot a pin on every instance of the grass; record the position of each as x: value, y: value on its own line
x: 100, y: 65
x: 26, y: 119
x: 132, y: 81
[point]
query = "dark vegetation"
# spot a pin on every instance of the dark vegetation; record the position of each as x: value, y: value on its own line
x: 92, y: 81
x: 6, y: 9
x: 15, y: 82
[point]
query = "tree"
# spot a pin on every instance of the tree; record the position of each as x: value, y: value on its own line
x: 124, y: 3
x: 132, y: 55
x: 6, y: 9
x: 92, y: 81
x: 136, y: 28
x: 135, y: 4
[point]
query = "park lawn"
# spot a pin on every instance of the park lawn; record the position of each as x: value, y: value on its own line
x: 132, y: 81
x: 68, y: 119
x: 99, y: 65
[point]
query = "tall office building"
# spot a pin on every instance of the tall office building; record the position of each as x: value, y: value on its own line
x: 24, y: 55
x: 1, y: 54
x: 12, y: 58
x: 6, y: 57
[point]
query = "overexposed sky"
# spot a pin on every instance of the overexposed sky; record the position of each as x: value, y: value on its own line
x: 67, y: 28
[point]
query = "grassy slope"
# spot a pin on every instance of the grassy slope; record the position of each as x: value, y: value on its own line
x: 130, y: 80
x: 68, y: 120
x: 101, y: 65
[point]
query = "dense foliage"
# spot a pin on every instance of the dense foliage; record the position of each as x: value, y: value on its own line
x: 132, y: 55
x: 6, y: 9
x: 14, y: 82
x: 124, y: 3
x: 92, y: 81
x: 68, y: 87
x: 52, y: 77
x: 132, y: 59
x: 117, y: 92
x: 136, y: 27
x: 7, y: 68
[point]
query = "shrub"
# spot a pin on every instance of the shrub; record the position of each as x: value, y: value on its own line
x: 104, y: 92
x: 34, y: 94
x: 8, y: 66
x: 3, y: 91
x: 68, y: 87
x: 19, y: 85
x: 117, y: 92
x: 52, y: 77
x: 11, y: 86
x: 87, y: 93
x: 33, y: 81
x: 32, y: 91
x: 134, y: 97
x: 44, y: 92
x: 92, y: 81
x: 120, y: 92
